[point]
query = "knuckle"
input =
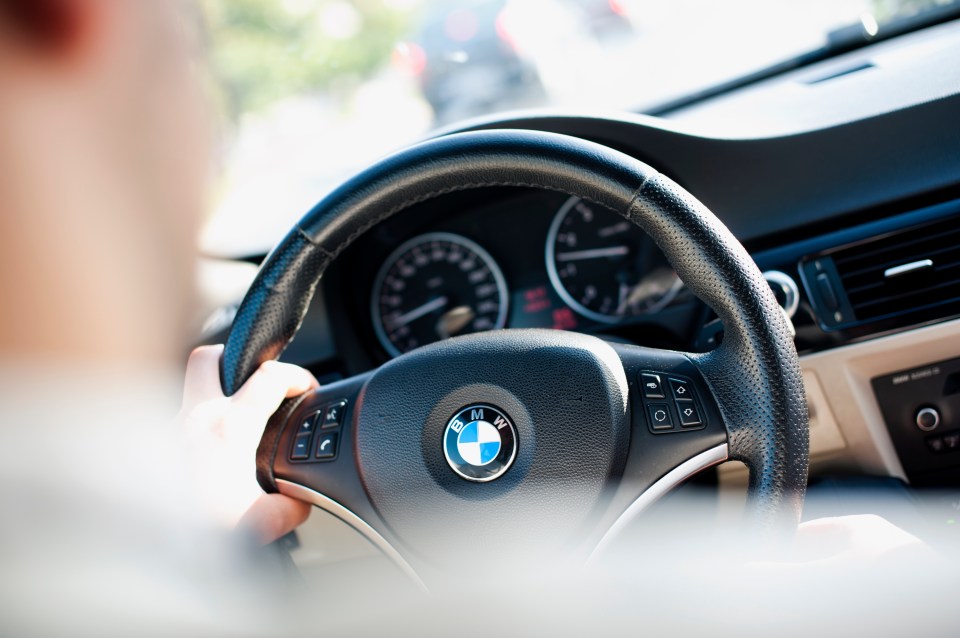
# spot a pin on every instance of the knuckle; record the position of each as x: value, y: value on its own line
x: 273, y: 368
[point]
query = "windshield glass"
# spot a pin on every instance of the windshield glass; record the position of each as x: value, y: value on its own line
x: 310, y: 91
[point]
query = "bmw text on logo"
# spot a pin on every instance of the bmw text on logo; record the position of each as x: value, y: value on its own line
x: 480, y: 442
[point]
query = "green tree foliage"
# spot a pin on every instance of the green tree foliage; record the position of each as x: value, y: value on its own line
x: 265, y: 50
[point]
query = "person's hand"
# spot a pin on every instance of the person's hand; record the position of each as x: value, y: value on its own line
x: 845, y: 544
x: 222, y: 434
x: 857, y: 540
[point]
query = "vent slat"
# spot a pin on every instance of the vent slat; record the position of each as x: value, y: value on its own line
x: 907, y: 294
x: 901, y: 258
x: 949, y: 235
x: 876, y: 278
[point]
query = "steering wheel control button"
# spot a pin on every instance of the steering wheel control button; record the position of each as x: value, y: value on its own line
x: 652, y: 387
x: 333, y: 414
x: 660, y: 418
x: 308, y: 424
x: 682, y: 389
x: 480, y: 443
x: 301, y: 447
x: 327, y: 445
x: 928, y: 419
x: 675, y: 412
x: 689, y: 415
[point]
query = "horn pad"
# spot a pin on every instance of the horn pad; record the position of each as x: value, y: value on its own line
x: 564, y: 395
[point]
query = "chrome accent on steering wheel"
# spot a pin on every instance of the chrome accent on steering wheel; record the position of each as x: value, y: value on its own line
x: 327, y: 504
x: 658, y: 490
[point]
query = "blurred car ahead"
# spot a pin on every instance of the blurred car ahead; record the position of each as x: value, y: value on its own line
x: 468, y: 61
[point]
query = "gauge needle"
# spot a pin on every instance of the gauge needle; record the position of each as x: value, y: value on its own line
x: 454, y: 320
x: 418, y: 312
x: 659, y: 286
x: 593, y: 253
x: 616, y: 229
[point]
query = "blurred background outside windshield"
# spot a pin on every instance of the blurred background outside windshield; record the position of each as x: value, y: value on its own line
x: 310, y: 91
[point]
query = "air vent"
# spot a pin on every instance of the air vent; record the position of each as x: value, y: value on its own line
x: 912, y: 271
x: 891, y: 280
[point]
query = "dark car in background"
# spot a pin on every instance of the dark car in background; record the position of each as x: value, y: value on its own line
x: 468, y: 61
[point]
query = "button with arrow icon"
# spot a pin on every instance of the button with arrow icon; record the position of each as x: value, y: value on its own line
x: 689, y: 415
x: 682, y: 389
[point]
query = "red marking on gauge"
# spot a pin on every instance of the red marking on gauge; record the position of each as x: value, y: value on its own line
x: 564, y: 319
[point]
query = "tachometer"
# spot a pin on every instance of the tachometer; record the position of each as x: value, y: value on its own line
x: 436, y: 286
x: 604, y: 267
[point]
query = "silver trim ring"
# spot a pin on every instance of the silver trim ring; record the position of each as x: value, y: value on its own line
x: 471, y: 245
x: 658, y: 490
x: 550, y: 254
x: 936, y: 419
x: 327, y: 504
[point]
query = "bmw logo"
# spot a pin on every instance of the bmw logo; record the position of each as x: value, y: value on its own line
x: 480, y: 443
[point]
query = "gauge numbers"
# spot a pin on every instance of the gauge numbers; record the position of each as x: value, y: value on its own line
x: 605, y: 267
x: 436, y: 286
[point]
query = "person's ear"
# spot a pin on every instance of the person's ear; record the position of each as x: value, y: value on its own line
x: 53, y: 28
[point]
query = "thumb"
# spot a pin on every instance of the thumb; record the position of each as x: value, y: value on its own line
x: 273, y: 516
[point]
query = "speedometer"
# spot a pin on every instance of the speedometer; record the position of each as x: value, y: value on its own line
x: 605, y: 267
x: 436, y: 286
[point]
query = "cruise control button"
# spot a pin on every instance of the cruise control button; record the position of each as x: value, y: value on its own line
x: 308, y: 424
x: 681, y: 389
x: 689, y: 415
x: 935, y: 444
x: 660, y: 416
x: 333, y: 415
x: 951, y: 441
x: 327, y: 445
x: 652, y: 388
x: 301, y: 448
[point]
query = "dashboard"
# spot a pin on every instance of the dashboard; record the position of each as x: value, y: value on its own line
x: 858, y: 211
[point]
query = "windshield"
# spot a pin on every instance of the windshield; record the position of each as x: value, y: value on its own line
x: 311, y: 91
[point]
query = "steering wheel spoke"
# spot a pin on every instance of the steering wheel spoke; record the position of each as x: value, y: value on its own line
x: 677, y: 431
x: 309, y: 442
x: 307, y: 452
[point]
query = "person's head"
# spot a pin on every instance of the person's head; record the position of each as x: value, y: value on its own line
x: 104, y: 155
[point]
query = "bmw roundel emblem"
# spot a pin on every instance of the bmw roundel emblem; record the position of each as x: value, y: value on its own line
x: 480, y: 443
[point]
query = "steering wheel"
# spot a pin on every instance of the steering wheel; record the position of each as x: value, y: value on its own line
x: 546, y: 440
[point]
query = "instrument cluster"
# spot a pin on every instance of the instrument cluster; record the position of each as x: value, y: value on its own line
x: 595, y: 270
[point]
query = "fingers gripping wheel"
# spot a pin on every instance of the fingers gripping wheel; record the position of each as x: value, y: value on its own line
x: 748, y: 391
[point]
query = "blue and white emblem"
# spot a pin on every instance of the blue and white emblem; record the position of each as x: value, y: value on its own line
x: 480, y: 443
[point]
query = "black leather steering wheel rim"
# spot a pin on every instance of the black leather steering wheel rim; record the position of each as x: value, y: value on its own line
x: 754, y: 374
